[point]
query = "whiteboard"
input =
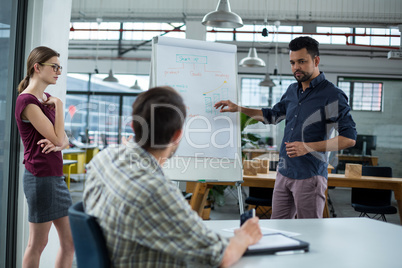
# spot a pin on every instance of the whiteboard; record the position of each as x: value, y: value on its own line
x: 203, y: 73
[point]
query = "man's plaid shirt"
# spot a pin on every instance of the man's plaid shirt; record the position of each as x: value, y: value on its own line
x: 144, y: 217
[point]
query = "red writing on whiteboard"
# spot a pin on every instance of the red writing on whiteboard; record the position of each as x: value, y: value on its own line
x: 195, y: 74
x: 223, y: 75
x: 171, y: 72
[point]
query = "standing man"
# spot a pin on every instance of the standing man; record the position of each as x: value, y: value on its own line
x: 312, y: 107
x: 143, y: 215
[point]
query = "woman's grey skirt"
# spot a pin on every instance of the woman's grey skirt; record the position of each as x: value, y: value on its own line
x: 48, y: 197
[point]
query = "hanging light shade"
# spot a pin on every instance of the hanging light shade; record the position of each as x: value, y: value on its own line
x: 110, y: 77
x: 252, y: 59
x: 136, y: 86
x: 267, y: 82
x: 222, y: 17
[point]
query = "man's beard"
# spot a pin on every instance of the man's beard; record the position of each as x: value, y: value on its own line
x: 305, y: 76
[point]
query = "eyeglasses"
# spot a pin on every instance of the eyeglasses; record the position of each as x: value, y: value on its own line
x: 55, y: 66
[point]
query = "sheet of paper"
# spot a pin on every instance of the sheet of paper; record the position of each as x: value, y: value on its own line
x: 274, y: 241
x: 266, y: 231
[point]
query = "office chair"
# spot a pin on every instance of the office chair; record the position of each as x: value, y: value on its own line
x: 89, y: 242
x: 262, y: 197
x: 373, y: 201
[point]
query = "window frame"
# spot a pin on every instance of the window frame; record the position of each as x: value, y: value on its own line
x: 363, y: 80
x: 88, y: 92
x: 271, y: 94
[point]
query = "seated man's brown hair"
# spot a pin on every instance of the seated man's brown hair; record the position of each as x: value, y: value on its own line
x: 157, y: 114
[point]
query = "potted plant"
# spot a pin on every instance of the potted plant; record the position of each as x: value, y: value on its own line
x: 248, y: 140
x: 217, y: 193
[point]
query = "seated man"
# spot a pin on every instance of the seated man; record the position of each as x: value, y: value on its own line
x: 144, y: 217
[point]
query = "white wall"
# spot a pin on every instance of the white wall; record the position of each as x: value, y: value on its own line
x: 387, y: 126
x: 48, y: 24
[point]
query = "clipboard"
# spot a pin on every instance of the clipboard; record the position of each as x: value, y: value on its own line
x: 279, y: 244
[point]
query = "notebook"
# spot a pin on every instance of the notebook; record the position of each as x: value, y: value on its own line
x: 277, y: 244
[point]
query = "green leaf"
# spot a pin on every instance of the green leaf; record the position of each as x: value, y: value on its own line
x: 245, y: 121
x: 254, y: 138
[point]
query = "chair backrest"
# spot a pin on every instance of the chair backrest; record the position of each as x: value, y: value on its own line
x: 89, y: 242
x: 377, y: 171
x: 273, y: 165
x: 373, y: 197
x: 259, y: 192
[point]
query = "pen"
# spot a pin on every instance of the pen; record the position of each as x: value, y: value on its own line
x: 289, y: 252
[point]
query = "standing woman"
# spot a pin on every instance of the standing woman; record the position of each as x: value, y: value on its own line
x: 40, y: 120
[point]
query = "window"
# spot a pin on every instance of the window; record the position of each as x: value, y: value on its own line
x: 363, y: 96
x: 100, y: 112
x: 221, y: 34
x: 131, y: 30
x: 332, y: 39
x: 383, y: 39
x: 147, y: 30
x: 245, y: 33
x: 12, y: 58
x: 95, y: 31
x: 252, y: 95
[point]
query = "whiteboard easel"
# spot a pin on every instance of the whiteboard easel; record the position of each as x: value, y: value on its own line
x: 203, y: 73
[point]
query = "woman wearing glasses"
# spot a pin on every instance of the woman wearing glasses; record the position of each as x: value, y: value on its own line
x: 40, y: 120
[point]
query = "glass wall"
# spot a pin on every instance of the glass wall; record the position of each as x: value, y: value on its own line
x: 10, y: 68
x: 99, y: 112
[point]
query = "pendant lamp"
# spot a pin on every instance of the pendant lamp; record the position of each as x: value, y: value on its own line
x: 136, y: 86
x: 267, y: 82
x: 110, y: 77
x: 252, y: 59
x: 222, y: 17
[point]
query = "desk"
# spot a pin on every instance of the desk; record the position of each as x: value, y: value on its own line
x: 79, y: 156
x: 271, y: 154
x: 67, y: 165
x: 90, y: 153
x: 339, y: 180
x: 91, y: 149
x: 334, y: 243
x: 364, y: 159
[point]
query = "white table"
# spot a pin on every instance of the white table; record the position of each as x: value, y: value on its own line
x: 334, y: 242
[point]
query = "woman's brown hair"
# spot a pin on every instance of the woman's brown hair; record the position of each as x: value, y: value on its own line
x: 37, y: 55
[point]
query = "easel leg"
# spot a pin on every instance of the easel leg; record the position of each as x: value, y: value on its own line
x: 199, y: 197
x: 240, y: 197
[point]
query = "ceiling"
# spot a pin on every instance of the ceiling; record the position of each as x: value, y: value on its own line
x: 308, y: 13
x: 340, y: 12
